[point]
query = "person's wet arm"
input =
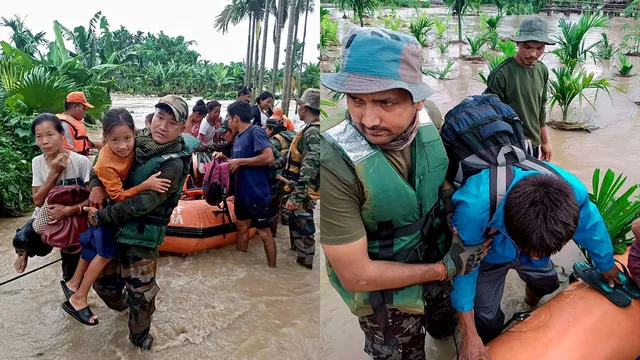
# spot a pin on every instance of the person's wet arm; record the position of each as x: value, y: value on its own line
x: 344, y: 242
x: 309, y: 166
x: 146, y: 201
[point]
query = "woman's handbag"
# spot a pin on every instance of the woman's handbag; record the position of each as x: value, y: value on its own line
x: 66, y: 232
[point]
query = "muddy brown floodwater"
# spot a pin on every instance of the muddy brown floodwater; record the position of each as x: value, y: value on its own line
x: 218, y: 304
x: 616, y: 145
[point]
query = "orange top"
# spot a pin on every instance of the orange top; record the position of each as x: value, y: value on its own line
x: 277, y: 114
x: 112, y: 169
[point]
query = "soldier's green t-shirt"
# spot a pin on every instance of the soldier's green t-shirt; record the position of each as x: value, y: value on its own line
x: 340, y: 220
x: 525, y: 90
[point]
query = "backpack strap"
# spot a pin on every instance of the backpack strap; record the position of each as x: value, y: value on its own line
x: 224, y: 177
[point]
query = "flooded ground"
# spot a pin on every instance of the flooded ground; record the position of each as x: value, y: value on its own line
x: 616, y: 145
x: 218, y: 304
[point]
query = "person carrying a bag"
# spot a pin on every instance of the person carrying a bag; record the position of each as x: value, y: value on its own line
x: 54, y: 168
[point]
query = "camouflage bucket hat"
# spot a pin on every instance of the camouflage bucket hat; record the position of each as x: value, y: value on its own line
x: 534, y: 29
x: 375, y: 59
x: 178, y: 105
x: 224, y: 127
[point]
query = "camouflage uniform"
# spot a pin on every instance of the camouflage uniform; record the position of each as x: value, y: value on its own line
x: 276, y: 192
x: 301, y: 224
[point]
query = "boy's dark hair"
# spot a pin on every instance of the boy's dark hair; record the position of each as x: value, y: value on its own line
x: 115, y: 117
x: 200, y: 108
x: 242, y: 109
x: 211, y: 105
x: 43, y: 118
x: 541, y: 214
x: 148, y: 118
x: 244, y: 90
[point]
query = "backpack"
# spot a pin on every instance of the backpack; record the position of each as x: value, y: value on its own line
x: 482, y: 132
x: 216, y: 182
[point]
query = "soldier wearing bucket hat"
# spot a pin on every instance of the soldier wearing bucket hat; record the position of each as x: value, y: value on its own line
x: 384, y: 230
x: 521, y: 82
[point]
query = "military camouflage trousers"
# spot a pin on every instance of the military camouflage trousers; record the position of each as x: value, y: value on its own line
x: 134, y: 270
x: 439, y: 320
x: 301, y: 232
x: 284, y: 213
x: 276, y: 199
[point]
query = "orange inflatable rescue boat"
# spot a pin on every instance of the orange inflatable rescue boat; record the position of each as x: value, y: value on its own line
x: 578, y: 323
x: 196, y: 226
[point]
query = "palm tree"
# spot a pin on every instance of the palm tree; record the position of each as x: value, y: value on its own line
x: 460, y: 8
x: 308, y: 8
x: 280, y: 20
x: 22, y: 37
x: 264, y: 45
x: 286, y: 92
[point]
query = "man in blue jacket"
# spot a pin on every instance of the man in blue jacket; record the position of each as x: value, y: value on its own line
x: 538, y: 216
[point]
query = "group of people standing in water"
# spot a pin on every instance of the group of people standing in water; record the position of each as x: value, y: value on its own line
x: 114, y: 212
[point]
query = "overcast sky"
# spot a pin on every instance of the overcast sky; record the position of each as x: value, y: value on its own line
x: 191, y: 19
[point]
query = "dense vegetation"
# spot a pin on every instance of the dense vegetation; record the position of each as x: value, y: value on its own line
x: 36, y: 75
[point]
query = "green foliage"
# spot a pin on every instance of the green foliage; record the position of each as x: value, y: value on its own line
x: 441, y: 24
x: 618, y: 212
x: 443, y: 46
x: 568, y: 85
x: 571, y: 43
x: 476, y: 44
x: 420, y: 27
x: 441, y: 73
x: 460, y: 7
x: 606, y: 49
x: 392, y: 23
x: 631, y: 40
x: 625, y: 66
x: 474, y: 6
x: 328, y: 31
x: 406, y: 3
x: 490, y: 23
x: 633, y: 10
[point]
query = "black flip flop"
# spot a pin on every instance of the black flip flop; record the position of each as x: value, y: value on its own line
x: 591, y: 276
x: 83, y: 315
x: 629, y: 286
x: 65, y: 289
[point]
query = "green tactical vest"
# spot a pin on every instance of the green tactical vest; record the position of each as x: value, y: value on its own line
x: 149, y: 230
x: 391, y: 203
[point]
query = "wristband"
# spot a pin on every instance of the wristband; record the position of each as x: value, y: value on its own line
x: 443, y: 271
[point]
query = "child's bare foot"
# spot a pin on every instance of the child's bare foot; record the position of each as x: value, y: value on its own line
x: 79, y: 303
x: 20, y: 264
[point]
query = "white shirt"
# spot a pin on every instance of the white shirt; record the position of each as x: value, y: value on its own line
x: 208, y: 131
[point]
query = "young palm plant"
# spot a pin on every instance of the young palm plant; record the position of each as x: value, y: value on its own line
x: 420, y: 28
x: 441, y: 25
x: 618, y: 212
x: 567, y: 86
x: 441, y: 73
x: 625, y: 66
x: 571, y: 44
x: 443, y: 46
x: 476, y: 44
x: 392, y: 23
x: 606, y: 49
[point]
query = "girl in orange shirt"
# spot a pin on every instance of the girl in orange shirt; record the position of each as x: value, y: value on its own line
x: 277, y: 114
x: 99, y: 244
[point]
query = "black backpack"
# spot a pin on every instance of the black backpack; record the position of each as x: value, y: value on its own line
x: 482, y: 132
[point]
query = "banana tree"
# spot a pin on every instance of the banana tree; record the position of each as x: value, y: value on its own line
x: 618, y: 211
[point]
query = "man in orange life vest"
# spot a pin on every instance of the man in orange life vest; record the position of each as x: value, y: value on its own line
x: 75, y: 131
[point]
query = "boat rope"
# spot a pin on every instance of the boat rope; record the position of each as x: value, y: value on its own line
x: 29, y: 272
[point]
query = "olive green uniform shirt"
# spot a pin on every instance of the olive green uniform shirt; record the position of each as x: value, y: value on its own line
x: 340, y: 220
x: 525, y: 90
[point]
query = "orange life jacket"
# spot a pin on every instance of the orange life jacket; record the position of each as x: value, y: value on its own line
x: 81, y: 143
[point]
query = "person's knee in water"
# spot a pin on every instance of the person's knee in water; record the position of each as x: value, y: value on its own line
x: 538, y: 216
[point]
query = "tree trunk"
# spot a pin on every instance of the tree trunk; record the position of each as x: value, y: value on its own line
x: 459, y: 27
x: 248, y: 58
x: 304, y: 38
x: 286, y: 93
x: 257, y: 52
x: 361, y: 20
x: 264, y: 45
x: 276, y: 52
x: 293, y: 53
x: 253, y: 39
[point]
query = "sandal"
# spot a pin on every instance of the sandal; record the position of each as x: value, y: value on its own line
x: 590, y: 275
x: 83, y: 315
x: 65, y: 289
x: 628, y: 285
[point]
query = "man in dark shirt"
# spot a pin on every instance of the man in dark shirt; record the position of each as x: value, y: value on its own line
x: 251, y: 156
